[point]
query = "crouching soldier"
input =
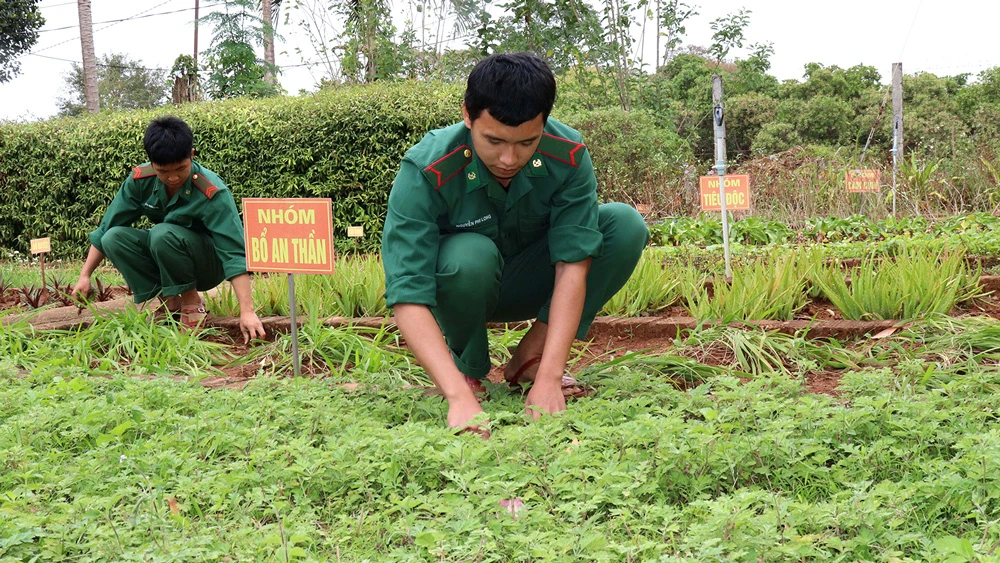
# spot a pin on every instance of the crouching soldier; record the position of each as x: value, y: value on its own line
x: 197, y: 238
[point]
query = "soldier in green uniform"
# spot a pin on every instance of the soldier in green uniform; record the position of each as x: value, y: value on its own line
x: 197, y: 238
x: 496, y: 219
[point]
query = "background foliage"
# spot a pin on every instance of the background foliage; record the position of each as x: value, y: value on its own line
x: 122, y: 84
x: 57, y: 177
x: 649, y: 132
x: 19, y: 25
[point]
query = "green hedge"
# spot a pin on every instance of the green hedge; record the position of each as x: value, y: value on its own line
x: 57, y: 177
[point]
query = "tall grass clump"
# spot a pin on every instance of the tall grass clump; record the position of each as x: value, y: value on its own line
x: 364, y: 352
x: 130, y: 341
x: 355, y: 289
x: 763, y: 289
x: 917, y: 283
x: 651, y: 288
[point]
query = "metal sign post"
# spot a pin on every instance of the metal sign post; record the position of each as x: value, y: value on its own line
x: 291, y: 236
x: 719, y: 119
x: 297, y: 364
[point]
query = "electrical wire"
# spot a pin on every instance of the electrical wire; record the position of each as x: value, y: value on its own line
x: 103, y: 28
x: 137, y: 17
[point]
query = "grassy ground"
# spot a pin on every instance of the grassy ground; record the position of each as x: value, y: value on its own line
x: 730, y: 466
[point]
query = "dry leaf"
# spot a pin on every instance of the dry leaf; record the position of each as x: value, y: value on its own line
x: 174, y: 509
x: 886, y: 333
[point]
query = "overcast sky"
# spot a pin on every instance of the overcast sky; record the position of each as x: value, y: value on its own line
x: 945, y: 37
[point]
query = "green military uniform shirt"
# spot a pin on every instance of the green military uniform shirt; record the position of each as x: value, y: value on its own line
x: 203, y: 204
x: 443, y: 188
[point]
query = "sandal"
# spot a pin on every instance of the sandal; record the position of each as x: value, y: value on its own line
x: 193, y: 316
x: 571, y: 388
x: 476, y: 385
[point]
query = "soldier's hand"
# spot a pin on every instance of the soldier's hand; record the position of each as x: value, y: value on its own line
x: 250, y: 326
x: 82, y: 288
x: 544, y: 397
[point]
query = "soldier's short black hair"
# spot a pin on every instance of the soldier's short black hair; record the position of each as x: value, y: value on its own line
x: 513, y: 87
x: 168, y: 140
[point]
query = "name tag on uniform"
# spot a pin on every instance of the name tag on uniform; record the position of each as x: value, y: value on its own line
x: 474, y: 222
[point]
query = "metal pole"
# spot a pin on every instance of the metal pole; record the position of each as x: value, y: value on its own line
x: 196, y: 35
x: 719, y: 118
x: 297, y: 370
x: 895, y: 168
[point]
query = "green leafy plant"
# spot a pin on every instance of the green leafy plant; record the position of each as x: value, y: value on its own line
x: 915, y: 284
x: 651, y: 288
x: 356, y: 289
x: 764, y: 289
x: 337, y: 351
x: 129, y: 341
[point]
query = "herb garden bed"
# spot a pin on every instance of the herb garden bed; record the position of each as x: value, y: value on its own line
x: 609, y: 337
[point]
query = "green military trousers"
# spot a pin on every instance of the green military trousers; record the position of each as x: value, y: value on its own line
x: 475, y: 285
x: 167, y: 259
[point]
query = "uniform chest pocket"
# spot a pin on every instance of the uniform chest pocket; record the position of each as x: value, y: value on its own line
x: 531, y: 228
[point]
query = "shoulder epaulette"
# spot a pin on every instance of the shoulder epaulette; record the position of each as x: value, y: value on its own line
x: 203, y: 185
x: 563, y: 150
x: 144, y: 171
x: 446, y: 167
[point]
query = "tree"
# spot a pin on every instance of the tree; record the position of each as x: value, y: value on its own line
x: 670, y: 23
x: 728, y: 34
x: 185, y: 73
x: 20, y: 21
x: 233, y: 66
x: 561, y: 31
x: 89, y: 58
x: 122, y: 84
x: 270, y: 20
x: 369, y: 46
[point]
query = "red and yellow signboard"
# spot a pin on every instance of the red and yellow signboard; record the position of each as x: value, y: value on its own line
x: 863, y: 180
x: 294, y: 236
x: 643, y: 208
x: 737, y: 193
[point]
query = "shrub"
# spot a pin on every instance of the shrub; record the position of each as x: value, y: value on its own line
x: 635, y: 160
x: 775, y: 137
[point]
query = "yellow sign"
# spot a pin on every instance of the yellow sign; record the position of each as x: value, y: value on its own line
x: 737, y: 193
x: 39, y: 245
x: 355, y: 232
x: 643, y: 208
x: 294, y: 236
x: 863, y: 180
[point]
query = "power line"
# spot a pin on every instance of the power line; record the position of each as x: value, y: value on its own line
x: 136, y: 17
x: 912, y: 23
x: 56, y: 5
x: 103, y: 28
x: 310, y: 63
